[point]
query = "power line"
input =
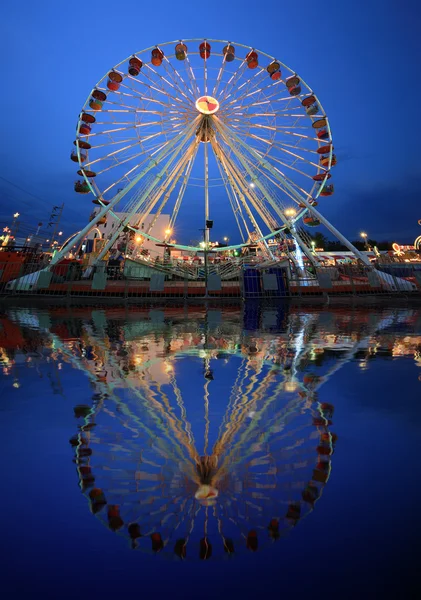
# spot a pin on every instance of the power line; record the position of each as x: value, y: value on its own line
x: 23, y: 190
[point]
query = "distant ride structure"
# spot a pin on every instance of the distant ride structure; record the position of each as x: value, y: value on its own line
x: 159, y: 124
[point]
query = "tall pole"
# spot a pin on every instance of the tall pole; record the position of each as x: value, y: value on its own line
x: 206, y: 189
x: 205, y: 253
x: 206, y: 236
x: 56, y: 223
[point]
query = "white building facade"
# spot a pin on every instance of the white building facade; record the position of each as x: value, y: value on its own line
x: 158, y: 230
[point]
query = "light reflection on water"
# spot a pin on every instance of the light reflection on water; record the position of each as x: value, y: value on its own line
x: 205, y: 434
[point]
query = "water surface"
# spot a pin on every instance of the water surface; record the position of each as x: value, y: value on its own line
x: 198, y: 453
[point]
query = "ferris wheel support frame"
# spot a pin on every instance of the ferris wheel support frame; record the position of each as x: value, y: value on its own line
x: 172, y: 91
x: 149, y: 189
x: 182, y: 190
x: 302, y: 199
x: 273, y: 204
x: 234, y: 183
x: 176, y: 174
x: 118, y: 197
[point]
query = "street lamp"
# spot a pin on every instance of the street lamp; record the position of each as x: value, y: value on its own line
x: 364, y: 236
x: 226, y: 239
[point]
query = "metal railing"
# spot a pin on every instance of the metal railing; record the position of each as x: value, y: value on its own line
x: 232, y: 279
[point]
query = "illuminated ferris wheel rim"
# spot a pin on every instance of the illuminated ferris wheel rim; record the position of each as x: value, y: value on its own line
x: 306, y: 203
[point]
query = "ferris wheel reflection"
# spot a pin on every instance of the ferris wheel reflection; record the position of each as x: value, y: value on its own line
x: 258, y: 466
x: 204, y: 437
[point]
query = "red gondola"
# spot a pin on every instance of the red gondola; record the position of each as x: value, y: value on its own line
x: 115, y: 522
x: 319, y: 124
x: 97, y: 100
x: 322, y: 176
x: 293, y: 85
x: 134, y: 66
x: 324, y: 161
x: 308, y: 101
x: 180, y: 51
x: 205, y: 549
x: 274, y: 70
x: 114, y: 81
x: 204, y: 50
x: 74, y: 157
x: 322, y: 134
x: 82, y: 187
x: 252, y: 60
x: 157, y: 542
x: 229, y: 53
x: 311, y: 221
x: 327, y: 190
x: 84, y: 129
x: 324, y: 149
x: 87, y: 118
x: 157, y: 57
x: 180, y: 548
x: 86, y: 173
x: 252, y: 541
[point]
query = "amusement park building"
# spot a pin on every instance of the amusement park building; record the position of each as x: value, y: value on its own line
x: 158, y: 229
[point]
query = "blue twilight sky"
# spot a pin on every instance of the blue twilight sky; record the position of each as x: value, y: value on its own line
x: 361, y: 57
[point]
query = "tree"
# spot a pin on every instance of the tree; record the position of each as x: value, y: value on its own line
x: 320, y: 240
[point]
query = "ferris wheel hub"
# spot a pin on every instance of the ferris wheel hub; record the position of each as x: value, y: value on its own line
x: 207, y: 105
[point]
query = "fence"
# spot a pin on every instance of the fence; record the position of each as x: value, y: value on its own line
x: 228, y: 280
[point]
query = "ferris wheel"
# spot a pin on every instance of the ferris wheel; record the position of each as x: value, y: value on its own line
x: 192, y: 126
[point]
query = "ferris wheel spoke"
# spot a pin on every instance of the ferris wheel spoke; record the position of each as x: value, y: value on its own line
x: 257, y: 199
x: 133, y: 169
x: 164, y: 187
x: 138, y: 95
x: 168, y: 107
x: 156, y: 84
x: 147, y: 138
x: 220, y: 73
x: 229, y: 138
x: 232, y: 81
x: 277, y: 184
x: 237, y: 185
x: 175, y: 177
x: 192, y: 78
x: 174, y: 148
x: 123, y: 162
x: 176, y: 77
x: 275, y: 172
x: 183, y: 188
x: 268, y: 99
x: 251, y: 194
x: 120, y: 195
x: 301, y: 136
x: 248, y: 90
x: 172, y: 84
x: 290, y: 182
x: 131, y: 128
x: 296, y: 157
x: 243, y: 112
x: 235, y: 204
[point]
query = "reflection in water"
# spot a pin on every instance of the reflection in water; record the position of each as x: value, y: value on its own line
x: 202, y: 437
